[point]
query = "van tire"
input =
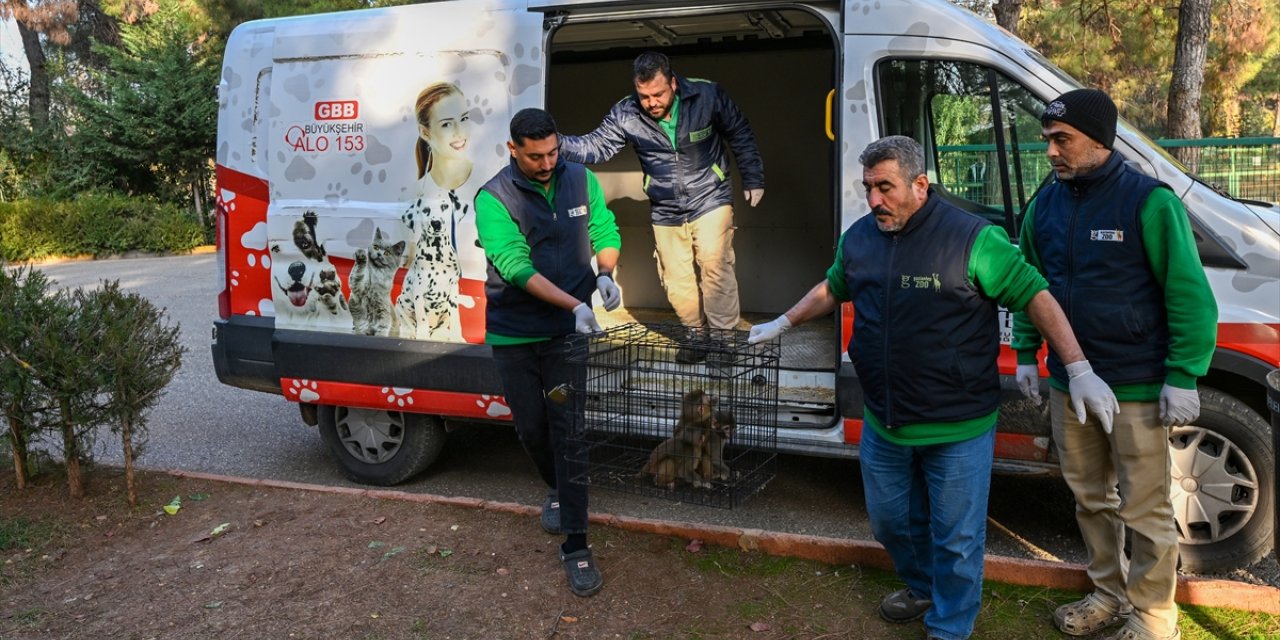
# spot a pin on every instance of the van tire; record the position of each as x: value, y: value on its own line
x: 380, y: 447
x: 1229, y: 445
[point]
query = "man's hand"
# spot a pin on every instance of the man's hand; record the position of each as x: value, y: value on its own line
x: 584, y: 319
x: 768, y: 330
x: 1088, y: 390
x: 1029, y: 382
x: 1178, y: 407
x: 609, y: 292
x: 753, y: 196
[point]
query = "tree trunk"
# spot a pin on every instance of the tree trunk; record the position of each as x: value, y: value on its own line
x: 126, y: 439
x: 19, y: 452
x: 1008, y: 13
x: 1275, y: 124
x: 1188, y: 76
x: 71, y: 452
x: 38, y: 93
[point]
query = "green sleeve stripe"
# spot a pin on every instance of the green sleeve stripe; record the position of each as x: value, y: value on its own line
x: 835, y: 275
x: 1026, y: 338
x: 503, y: 243
x: 1190, y: 307
x: 997, y: 268
x: 602, y: 227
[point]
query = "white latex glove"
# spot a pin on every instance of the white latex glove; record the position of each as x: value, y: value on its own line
x: 768, y: 330
x: 1029, y: 382
x: 609, y: 292
x: 753, y: 196
x: 1088, y: 390
x: 584, y: 319
x: 1178, y: 407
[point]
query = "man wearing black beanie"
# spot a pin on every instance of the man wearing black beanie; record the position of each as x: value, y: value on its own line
x: 1117, y: 250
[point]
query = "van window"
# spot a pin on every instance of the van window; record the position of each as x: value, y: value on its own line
x: 978, y: 128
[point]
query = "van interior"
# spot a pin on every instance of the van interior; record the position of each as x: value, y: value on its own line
x: 778, y: 65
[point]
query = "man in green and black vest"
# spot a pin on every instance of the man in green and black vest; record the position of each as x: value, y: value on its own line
x: 925, y: 279
x: 541, y: 220
x: 1118, y: 251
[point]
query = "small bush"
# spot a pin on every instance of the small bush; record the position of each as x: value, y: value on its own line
x: 94, y: 224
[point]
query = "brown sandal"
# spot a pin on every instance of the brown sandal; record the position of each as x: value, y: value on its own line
x: 1087, y: 617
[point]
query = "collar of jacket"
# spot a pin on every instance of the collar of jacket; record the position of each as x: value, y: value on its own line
x: 918, y: 218
x: 525, y: 182
x: 1082, y: 184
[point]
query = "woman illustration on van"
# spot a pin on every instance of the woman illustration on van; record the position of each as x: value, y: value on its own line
x: 428, y: 304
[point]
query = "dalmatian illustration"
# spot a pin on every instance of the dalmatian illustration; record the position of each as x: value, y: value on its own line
x: 428, y: 304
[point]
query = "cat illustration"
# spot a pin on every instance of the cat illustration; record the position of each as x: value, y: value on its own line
x: 371, y: 279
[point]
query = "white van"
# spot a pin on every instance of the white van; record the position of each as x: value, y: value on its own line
x: 332, y: 224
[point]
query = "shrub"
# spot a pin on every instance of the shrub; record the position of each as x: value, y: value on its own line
x: 94, y: 224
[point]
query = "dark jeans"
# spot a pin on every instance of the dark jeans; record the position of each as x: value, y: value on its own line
x: 528, y: 372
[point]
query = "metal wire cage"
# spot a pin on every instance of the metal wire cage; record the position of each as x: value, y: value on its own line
x: 635, y: 385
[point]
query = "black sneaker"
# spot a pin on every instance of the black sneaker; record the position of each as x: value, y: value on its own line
x: 551, y: 513
x: 584, y: 577
x: 903, y: 606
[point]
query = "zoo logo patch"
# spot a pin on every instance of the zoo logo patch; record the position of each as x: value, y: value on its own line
x: 578, y: 211
x: 1106, y: 235
x: 700, y: 135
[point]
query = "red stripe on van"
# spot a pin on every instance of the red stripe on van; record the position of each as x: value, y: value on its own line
x: 1258, y: 339
x: 364, y: 396
x: 242, y: 205
x: 1009, y: 446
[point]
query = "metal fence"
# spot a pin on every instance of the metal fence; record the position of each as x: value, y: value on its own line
x: 1245, y: 167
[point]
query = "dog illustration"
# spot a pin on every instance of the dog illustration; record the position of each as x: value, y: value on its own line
x: 428, y: 304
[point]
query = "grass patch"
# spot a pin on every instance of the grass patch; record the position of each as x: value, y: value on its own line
x: 22, y: 533
x: 734, y: 563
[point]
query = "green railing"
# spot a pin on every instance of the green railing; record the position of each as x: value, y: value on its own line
x: 1245, y: 167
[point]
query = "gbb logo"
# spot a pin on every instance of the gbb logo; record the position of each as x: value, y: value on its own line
x: 337, y: 110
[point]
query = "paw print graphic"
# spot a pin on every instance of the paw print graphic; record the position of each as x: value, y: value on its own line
x: 304, y: 390
x: 479, y: 109
x: 493, y: 406
x: 397, y: 396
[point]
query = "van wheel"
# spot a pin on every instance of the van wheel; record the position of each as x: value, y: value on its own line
x: 1223, y: 469
x: 380, y: 447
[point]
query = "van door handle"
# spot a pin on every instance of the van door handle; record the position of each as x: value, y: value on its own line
x: 831, y: 95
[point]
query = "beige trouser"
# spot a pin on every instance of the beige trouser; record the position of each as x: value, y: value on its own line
x: 707, y: 242
x: 1119, y: 480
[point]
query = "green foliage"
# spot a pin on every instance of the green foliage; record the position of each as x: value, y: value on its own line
x: 94, y: 224
x: 148, y: 124
x: 74, y: 361
x: 145, y: 353
x: 23, y: 306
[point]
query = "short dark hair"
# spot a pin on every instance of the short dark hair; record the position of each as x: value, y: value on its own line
x: 535, y: 124
x: 906, y: 151
x: 650, y: 64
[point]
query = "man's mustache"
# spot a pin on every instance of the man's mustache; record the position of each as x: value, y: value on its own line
x: 881, y: 211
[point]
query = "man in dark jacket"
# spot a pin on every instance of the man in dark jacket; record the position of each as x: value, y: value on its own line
x: 679, y: 127
x: 1120, y: 257
x: 541, y: 220
x: 925, y: 279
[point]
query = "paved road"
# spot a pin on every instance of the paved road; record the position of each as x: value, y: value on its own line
x: 203, y: 425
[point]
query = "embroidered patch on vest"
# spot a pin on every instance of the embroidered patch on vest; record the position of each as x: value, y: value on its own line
x: 1106, y: 235
x: 700, y: 135
x: 578, y: 211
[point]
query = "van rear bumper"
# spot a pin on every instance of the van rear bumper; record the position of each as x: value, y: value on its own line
x: 250, y: 353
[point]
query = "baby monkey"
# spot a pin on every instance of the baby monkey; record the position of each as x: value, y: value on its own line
x: 711, y: 465
x: 678, y: 457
